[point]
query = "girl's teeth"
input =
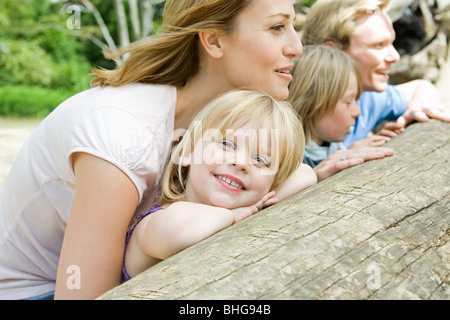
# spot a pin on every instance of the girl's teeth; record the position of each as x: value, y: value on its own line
x: 230, y: 182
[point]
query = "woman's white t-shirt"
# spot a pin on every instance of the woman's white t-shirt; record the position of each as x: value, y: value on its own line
x: 130, y: 126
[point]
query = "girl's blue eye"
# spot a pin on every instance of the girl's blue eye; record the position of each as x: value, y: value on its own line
x: 261, y: 161
x: 228, y: 144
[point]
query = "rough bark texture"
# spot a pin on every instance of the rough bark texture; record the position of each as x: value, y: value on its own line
x: 380, y: 230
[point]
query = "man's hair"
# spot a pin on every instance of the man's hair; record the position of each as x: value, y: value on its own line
x: 334, y: 20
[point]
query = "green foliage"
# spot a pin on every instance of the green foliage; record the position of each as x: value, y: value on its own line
x: 42, y: 60
x: 71, y: 75
x: 30, y: 101
x: 37, y: 50
x: 25, y: 64
x: 308, y: 3
x: 22, y: 16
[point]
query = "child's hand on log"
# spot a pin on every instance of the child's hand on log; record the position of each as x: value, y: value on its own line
x: 343, y: 159
x: 244, y: 212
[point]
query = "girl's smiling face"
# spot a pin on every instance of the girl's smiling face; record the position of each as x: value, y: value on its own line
x: 230, y: 171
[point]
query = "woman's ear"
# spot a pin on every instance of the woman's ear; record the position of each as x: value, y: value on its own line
x: 211, y: 42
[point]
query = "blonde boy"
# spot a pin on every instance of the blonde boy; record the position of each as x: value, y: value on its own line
x: 326, y: 85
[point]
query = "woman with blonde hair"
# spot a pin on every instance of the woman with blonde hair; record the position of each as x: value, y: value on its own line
x: 98, y: 159
x: 326, y: 85
x: 231, y: 161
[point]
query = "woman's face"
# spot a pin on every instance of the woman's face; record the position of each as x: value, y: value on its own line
x: 259, y: 53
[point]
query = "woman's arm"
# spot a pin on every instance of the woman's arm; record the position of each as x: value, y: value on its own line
x: 92, y: 252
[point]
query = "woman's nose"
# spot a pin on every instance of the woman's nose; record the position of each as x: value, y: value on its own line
x: 294, y: 47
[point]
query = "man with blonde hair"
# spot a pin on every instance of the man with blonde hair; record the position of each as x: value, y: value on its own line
x: 364, y: 30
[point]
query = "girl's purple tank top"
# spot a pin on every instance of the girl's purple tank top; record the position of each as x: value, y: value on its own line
x: 125, y: 276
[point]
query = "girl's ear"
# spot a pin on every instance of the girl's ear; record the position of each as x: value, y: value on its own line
x: 211, y: 42
x: 185, y: 157
x: 186, y: 160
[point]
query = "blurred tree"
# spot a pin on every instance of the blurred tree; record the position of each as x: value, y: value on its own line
x: 25, y: 64
x: 36, y: 49
x: 134, y: 20
x: 48, y: 47
x: 305, y: 3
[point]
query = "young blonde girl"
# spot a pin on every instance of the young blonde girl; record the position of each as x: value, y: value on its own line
x: 326, y: 85
x: 236, y: 154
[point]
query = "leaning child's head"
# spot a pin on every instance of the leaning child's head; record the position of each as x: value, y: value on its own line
x: 326, y: 85
x: 268, y: 132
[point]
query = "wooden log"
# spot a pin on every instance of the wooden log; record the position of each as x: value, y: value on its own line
x: 380, y: 230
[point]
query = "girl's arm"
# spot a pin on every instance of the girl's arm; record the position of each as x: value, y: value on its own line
x: 182, y: 224
x: 92, y: 252
x: 302, y: 178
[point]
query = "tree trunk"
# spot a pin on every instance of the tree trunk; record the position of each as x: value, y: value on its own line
x: 98, y: 18
x: 135, y: 21
x: 122, y: 26
x: 380, y: 230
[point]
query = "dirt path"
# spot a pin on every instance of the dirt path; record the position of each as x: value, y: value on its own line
x: 13, y: 133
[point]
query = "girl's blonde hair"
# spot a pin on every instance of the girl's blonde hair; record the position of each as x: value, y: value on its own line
x: 233, y: 110
x: 321, y: 77
x: 172, y: 55
x: 334, y: 20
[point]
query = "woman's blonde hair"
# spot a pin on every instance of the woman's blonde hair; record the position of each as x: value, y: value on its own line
x: 334, y: 20
x: 235, y: 109
x: 171, y: 56
x: 321, y: 77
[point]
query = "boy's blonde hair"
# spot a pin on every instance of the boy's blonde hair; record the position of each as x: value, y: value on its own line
x: 235, y: 109
x: 334, y: 20
x: 172, y: 55
x: 321, y: 77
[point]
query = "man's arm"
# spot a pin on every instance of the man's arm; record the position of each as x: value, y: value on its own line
x: 424, y: 103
